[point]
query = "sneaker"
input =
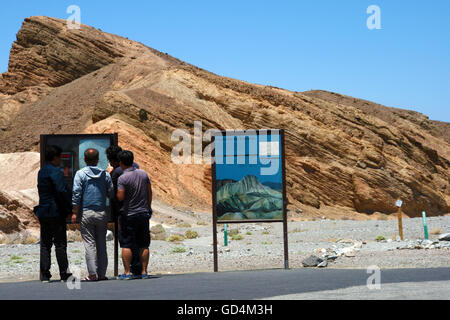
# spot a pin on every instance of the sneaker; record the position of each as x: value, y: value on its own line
x: 145, y: 276
x: 125, y: 277
x: 136, y: 276
x: 65, y: 276
x: 45, y: 280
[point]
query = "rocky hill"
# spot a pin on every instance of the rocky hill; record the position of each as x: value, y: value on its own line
x: 342, y: 153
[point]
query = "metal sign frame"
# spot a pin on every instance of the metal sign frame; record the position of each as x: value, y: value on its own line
x: 214, y: 197
x: 114, y: 138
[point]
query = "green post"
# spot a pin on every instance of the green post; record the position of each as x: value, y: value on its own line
x: 225, y: 235
x: 425, y: 228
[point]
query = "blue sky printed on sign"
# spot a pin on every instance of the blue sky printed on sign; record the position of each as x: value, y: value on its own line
x: 100, y: 144
x: 250, y: 160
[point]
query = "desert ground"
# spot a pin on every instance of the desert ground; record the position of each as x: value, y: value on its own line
x: 342, y: 243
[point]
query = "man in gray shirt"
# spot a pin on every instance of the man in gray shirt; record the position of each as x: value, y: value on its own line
x: 135, y: 190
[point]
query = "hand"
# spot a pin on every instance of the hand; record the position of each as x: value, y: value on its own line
x: 109, y: 169
x: 74, y: 218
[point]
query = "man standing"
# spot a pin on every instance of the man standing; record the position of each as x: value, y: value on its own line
x: 54, y: 206
x: 135, y: 190
x: 116, y: 171
x: 91, y: 186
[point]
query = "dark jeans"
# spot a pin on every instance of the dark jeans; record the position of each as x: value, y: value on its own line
x: 53, y: 231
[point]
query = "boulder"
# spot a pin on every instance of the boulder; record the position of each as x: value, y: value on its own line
x: 158, y: 232
x: 444, y: 237
x: 323, y: 264
x: 109, y: 235
x: 312, y: 261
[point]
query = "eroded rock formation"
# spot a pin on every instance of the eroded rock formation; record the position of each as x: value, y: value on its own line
x: 340, y: 151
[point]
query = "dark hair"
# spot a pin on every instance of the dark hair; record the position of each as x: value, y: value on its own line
x: 112, y: 153
x: 51, y: 152
x: 126, y: 157
x: 91, y: 156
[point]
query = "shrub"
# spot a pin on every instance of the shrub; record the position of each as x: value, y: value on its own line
x: 201, y: 223
x: 248, y: 233
x: 382, y: 217
x: 184, y: 225
x: 175, y: 238
x: 30, y: 240
x: 190, y: 234
x: 179, y: 250
x: 233, y: 232
x: 380, y: 238
x: 237, y: 237
x: 266, y: 232
x: 16, y: 259
x: 298, y: 230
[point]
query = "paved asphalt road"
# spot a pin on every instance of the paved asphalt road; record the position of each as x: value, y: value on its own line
x: 258, y: 284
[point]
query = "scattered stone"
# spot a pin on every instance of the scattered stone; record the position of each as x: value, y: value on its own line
x: 444, y: 237
x: 312, y: 261
x: 358, y: 244
x: 323, y: 264
x: 158, y: 232
x: 350, y: 253
x: 109, y: 235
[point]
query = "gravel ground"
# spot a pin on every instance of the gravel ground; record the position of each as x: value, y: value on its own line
x: 261, y: 247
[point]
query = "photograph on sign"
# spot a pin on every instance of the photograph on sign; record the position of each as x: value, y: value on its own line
x: 72, y: 157
x: 248, y: 177
x: 100, y: 144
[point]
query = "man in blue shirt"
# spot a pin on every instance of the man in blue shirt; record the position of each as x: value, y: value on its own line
x: 91, y: 187
x: 54, y: 206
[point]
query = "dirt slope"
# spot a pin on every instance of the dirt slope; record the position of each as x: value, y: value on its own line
x: 341, y: 151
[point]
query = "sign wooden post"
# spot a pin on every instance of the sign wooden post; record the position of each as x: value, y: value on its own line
x: 399, y: 203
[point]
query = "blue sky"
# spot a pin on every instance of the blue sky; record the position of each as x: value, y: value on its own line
x: 297, y: 45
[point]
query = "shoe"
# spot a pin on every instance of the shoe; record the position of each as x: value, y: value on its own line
x: 89, y: 279
x: 136, y: 276
x: 103, y: 279
x: 145, y: 276
x: 65, y: 276
x: 125, y: 277
x: 45, y: 278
